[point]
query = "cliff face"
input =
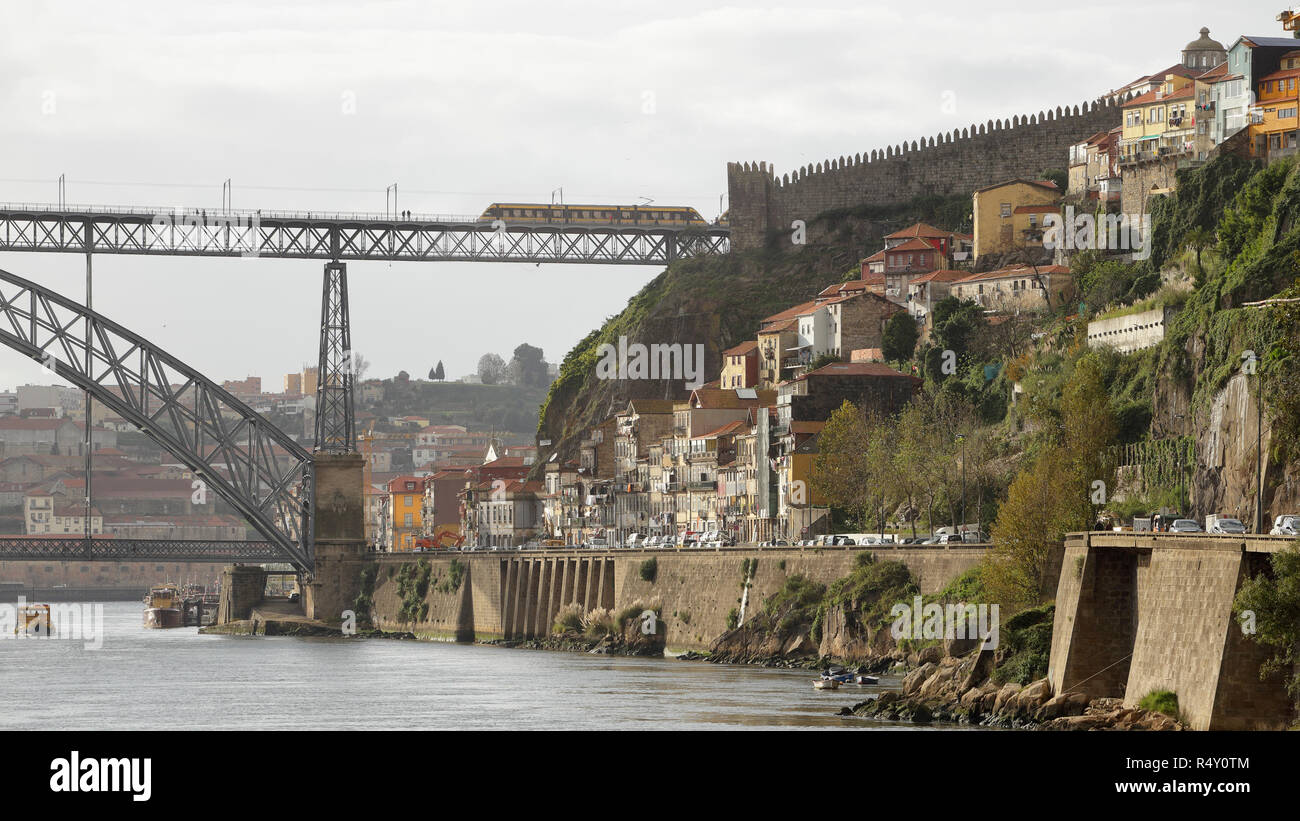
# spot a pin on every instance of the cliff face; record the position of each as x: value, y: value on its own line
x: 718, y: 302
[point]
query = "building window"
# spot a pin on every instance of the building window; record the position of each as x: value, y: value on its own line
x: 1006, y: 209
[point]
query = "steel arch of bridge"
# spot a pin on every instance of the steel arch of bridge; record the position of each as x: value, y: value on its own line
x: 237, y: 453
x: 339, y: 238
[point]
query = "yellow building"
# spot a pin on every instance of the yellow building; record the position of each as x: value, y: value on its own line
x: 1273, y: 122
x: 1009, y: 215
x: 405, y: 511
x: 309, y: 380
x: 1160, y: 123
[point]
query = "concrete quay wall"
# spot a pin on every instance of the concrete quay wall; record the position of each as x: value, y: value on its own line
x: 517, y: 595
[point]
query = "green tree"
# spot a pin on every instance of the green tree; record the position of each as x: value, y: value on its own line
x: 854, y: 466
x: 840, y: 469
x: 1198, y: 239
x: 527, y: 367
x: 821, y: 361
x: 1273, y: 599
x: 1031, y: 524
x: 490, y: 368
x: 956, y: 325
x: 1055, y: 494
x: 1089, y: 429
x: 898, y: 342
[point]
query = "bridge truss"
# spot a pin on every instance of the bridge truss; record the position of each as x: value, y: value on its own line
x: 29, y: 548
x: 342, y: 237
x: 234, y: 452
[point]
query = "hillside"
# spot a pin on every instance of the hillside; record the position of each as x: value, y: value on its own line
x: 1228, y: 236
x: 719, y: 301
x: 503, y: 408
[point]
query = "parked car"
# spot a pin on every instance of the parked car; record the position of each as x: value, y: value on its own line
x: 1223, y: 524
x: 1286, y: 525
x: 1185, y: 526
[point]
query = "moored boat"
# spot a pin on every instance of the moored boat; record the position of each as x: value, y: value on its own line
x: 163, y: 608
x: 826, y: 684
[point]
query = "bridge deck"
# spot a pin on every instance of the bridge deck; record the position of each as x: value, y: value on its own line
x: 35, y: 548
x: 1147, y: 540
x: 346, y: 236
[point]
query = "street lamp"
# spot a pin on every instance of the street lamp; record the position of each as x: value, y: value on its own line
x: 390, y: 211
x: 961, y: 440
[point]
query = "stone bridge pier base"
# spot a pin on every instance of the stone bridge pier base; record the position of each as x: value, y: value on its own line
x: 1139, y: 613
x: 340, y: 543
x: 242, y: 587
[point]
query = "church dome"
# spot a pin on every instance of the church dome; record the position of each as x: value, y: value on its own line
x: 1204, y: 52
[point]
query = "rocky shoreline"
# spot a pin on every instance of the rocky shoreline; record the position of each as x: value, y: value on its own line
x: 959, y: 690
x: 629, y: 642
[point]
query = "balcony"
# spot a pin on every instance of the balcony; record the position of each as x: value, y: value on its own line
x: 702, y: 485
x: 1135, y: 157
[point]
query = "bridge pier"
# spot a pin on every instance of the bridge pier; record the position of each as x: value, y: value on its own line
x: 241, y: 590
x: 1139, y: 613
x: 340, y: 539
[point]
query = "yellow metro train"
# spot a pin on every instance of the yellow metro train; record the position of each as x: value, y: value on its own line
x: 536, y: 213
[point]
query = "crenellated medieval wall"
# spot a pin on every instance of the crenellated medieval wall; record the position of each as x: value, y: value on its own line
x: 956, y: 162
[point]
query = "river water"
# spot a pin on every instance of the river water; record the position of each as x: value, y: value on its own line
x: 177, y: 679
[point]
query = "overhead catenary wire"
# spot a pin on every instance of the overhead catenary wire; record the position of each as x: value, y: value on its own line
x: 623, y: 197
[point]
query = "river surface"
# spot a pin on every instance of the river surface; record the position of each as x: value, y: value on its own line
x: 177, y: 679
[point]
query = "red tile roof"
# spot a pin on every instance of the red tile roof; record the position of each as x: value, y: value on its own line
x: 1015, y: 271
x: 746, y: 347
x: 1150, y: 97
x: 728, y: 398
x: 789, y: 313
x: 729, y: 428
x: 912, y: 245
x: 1040, y: 183
x: 942, y: 275
x: 920, y: 229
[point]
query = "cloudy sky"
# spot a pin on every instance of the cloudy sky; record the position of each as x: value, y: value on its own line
x: 321, y: 105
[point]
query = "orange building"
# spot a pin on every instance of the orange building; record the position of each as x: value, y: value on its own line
x: 405, y: 510
x: 1273, y: 122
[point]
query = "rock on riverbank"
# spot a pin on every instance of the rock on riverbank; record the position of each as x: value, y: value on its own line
x: 958, y: 689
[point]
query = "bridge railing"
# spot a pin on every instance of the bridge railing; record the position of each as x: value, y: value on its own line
x: 233, y: 213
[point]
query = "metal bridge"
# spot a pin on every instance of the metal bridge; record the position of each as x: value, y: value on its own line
x: 340, y: 237
x: 241, y: 456
x: 34, y: 548
x: 261, y: 471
